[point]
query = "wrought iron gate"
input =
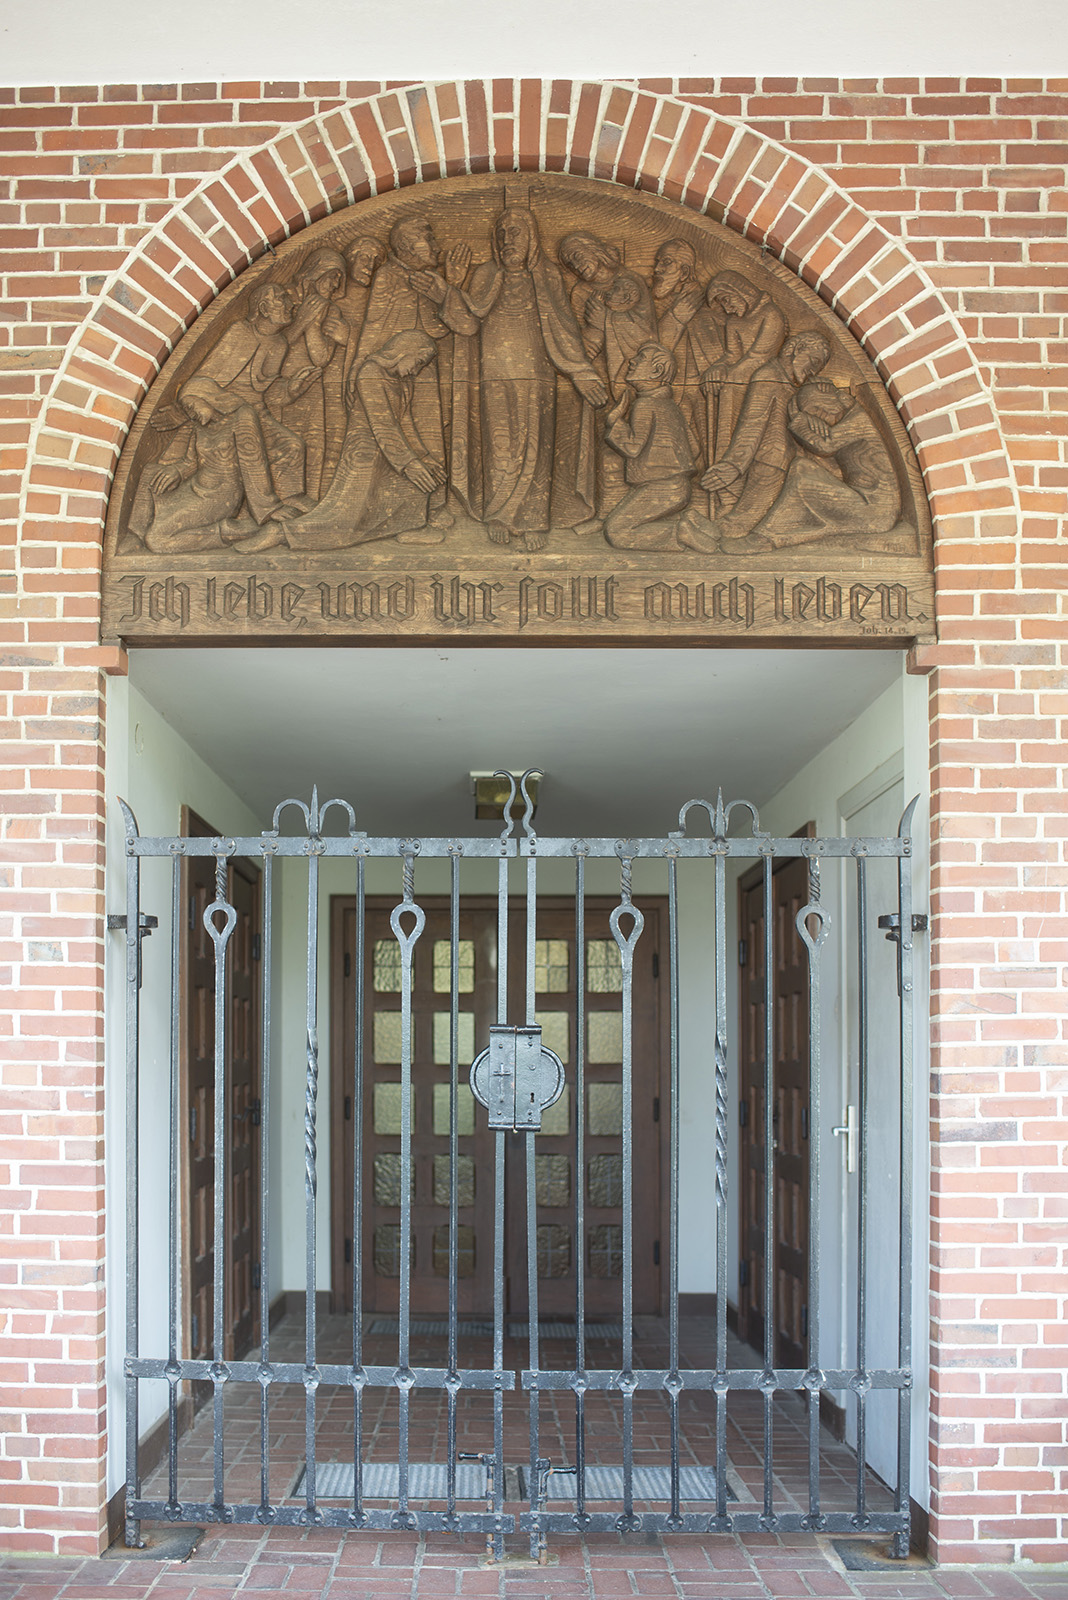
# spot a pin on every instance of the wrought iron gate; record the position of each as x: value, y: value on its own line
x: 515, y: 1078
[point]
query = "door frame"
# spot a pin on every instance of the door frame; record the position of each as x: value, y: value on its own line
x: 751, y: 879
x: 653, y: 906
x: 193, y: 825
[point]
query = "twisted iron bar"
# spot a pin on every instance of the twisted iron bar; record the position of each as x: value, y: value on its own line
x: 721, y: 1119
x: 311, y: 1090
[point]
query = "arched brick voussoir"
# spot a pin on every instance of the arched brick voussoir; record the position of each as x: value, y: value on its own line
x: 612, y: 131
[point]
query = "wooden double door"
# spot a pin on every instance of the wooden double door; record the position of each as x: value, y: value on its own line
x: 561, y: 1253
x: 790, y: 1113
x: 241, y: 1266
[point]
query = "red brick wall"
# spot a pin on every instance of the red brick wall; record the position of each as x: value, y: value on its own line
x: 934, y: 215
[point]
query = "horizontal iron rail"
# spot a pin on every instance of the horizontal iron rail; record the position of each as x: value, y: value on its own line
x: 328, y: 1516
x: 347, y: 846
x: 322, y: 1373
x: 707, y: 1378
x: 709, y: 1522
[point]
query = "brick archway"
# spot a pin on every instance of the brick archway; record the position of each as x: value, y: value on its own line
x: 615, y: 133
x: 612, y: 132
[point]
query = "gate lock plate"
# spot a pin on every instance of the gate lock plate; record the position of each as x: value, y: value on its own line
x: 517, y: 1079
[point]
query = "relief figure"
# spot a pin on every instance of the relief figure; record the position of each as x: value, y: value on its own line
x: 504, y: 444
x: 753, y: 333
x: 317, y: 336
x: 410, y: 293
x: 247, y: 362
x: 615, y: 313
x: 363, y: 256
x: 650, y: 433
x: 387, y: 472
x: 215, y: 465
x: 687, y: 328
x: 753, y: 469
x: 816, y: 502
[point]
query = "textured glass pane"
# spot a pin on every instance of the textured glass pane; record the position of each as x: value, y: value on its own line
x: 387, y: 1179
x: 555, y: 1032
x: 465, y: 1251
x: 387, y: 1250
x: 465, y: 1109
x: 552, y: 965
x: 605, y: 1036
x: 387, y: 966
x: 604, y: 969
x: 465, y: 1181
x: 554, y: 1251
x: 606, y: 1251
x: 465, y: 1035
x: 556, y: 1121
x: 443, y: 966
x: 604, y: 1180
x: 553, y: 1180
x: 387, y: 1046
x: 605, y: 1115
x: 387, y: 1108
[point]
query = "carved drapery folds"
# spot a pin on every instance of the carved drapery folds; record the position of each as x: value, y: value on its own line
x: 538, y: 406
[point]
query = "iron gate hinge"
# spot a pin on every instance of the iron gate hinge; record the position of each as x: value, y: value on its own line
x: 517, y: 1078
x: 743, y: 952
x: 743, y: 1114
x: 145, y: 925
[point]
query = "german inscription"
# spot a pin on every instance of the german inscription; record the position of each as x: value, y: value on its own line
x: 546, y: 407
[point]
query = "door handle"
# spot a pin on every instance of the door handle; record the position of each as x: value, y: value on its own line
x: 848, y: 1130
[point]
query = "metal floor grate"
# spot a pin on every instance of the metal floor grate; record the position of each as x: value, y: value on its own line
x: 427, y: 1480
x: 649, y: 1483
x: 469, y: 1329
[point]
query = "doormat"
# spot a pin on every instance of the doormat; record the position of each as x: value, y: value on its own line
x: 649, y: 1483
x: 427, y: 1480
x: 439, y: 1327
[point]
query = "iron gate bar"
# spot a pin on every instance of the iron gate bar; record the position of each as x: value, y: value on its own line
x: 358, y: 1376
x: 769, y: 1186
x: 534, y: 1353
x: 904, y: 1349
x: 627, y: 1381
x: 580, y: 1186
x: 266, y: 978
x: 862, y: 1176
x: 172, y: 1190
x: 672, y: 1383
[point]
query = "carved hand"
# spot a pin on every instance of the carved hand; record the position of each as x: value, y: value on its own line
x: 687, y: 305
x: 430, y: 284
x: 711, y: 380
x: 165, y: 478
x: 720, y: 477
x: 457, y: 265
x: 619, y: 409
x: 301, y: 380
x: 426, y: 475
x: 591, y: 388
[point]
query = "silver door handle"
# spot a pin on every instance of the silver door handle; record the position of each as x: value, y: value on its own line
x: 849, y: 1129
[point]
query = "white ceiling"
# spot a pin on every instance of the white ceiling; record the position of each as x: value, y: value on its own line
x: 624, y: 736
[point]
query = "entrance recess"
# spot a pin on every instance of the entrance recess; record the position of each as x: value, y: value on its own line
x: 521, y: 1073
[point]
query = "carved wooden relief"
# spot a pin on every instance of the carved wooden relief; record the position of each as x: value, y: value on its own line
x: 527, y: 408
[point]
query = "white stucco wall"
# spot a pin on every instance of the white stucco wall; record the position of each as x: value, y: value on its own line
x: 156, y: 773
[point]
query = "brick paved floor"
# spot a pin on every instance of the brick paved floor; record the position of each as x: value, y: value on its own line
x: 327, y: 1565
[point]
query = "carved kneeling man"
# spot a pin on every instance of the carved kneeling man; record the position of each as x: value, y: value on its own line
x: 650, y: 433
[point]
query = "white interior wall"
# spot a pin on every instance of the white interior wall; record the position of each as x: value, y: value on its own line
x: 156, y: 772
